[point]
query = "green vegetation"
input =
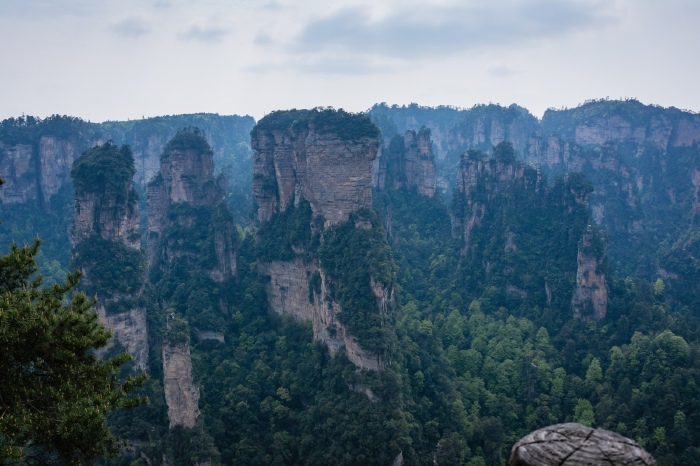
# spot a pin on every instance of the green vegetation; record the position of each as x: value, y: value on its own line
x: 106, y: 170
x: 483, y: 369
x: 287, y: 230
x: 354, y: 257
x: 22, y: 223
x: 349, y: 126
x: 112, y: 268
x: 28, y: 129
x: 527, y: 233
x: 55, y: 394
x: 188, y: 139
x: 481, y: 346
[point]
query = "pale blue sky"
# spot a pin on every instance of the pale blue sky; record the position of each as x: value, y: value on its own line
x: 119, y: 59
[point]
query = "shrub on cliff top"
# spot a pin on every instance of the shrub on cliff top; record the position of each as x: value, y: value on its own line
x: 345, y: 125
x: 188, y: 139
x: 105, y: 169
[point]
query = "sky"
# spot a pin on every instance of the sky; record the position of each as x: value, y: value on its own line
x: 128, y: 59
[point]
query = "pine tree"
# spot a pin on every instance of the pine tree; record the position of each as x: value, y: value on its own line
x: 55, y: 393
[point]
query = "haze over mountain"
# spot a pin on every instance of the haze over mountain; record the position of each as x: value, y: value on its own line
x: 409, y: 285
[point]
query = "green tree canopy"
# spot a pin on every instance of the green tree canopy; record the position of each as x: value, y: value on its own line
x: 55, y: 393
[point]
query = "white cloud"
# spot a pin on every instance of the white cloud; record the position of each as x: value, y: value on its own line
x: 131, y: 27
x: 417, y: 31
x: 204, y: 34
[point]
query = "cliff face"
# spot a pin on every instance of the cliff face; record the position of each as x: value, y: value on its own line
x: 37, y: 171
x: 480, y: 181
x: 486, y: 126
x: 291, y: 291
x: 186, y: 179
x: 112, y: 217
x: 105, y: 200
x: 623, y: 122
x: 106, y: 236
x: 131, y: 330
x: 302, y: 159
x: 590, y: 299
x: 181, y: 394
x: 148, y: 138
x: 407, y: 162
x: 192, y: 241
x: 511, y: 221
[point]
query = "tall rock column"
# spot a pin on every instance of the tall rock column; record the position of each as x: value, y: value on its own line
x: 192, y: 241
x: 408, y: 162
x: 590, y: 299
x: 313, y: 185
x: 106, y: 243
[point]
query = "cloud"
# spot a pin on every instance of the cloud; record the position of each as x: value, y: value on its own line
x: 422, y: 31
x: 263, y: 39
x: 131, y: 27
x: 33, y: 9
x: 502, y: 71
x: 210, y: 34
x: 323, y: 65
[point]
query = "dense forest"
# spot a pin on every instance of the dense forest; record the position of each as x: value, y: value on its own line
x: 482, y: 331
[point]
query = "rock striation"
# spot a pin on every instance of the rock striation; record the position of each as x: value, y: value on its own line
x: 407, y: 162
x: 181, y: 393
x: 106, y: 204
x: 37, y: 170
x: 186, y: 179
x: 130, y: 328
x: 291, y: 292
x: 106, y: 232
x: 574, y: 444
x: 313, y: 162
x: 192, y: 240
x: 323, y: 159
x: 590, y: 299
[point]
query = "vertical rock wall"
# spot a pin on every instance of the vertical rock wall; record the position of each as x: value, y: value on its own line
x: 407, y: 162
x: 36, y: 171
x: 186, y: 176
x: 181, y: 394
x: 298, y: 157
x: 590, y: 299
x: 333, y: 174
x: 511, y: 223
x: 108, y: 211
x: 130, y: 328
x: 187, y: 217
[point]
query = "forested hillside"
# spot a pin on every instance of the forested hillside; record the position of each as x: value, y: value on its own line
x: 405, y: 287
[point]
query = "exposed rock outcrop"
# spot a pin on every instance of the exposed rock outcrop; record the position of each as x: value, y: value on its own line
x: 191, y: 239
x: 106, y: 230
x: 36, y: 171
x: 590, y: 299
x: 186, y: 179
x: 313, y: 162
x: 407, y: 162
x: 291, y: 292
x: 131, y: 330
x: 105, y: 200
x: 575, y: 444
x: 323, y: 158
x: 181, y: 393
x: 510, y: 222
x: 481, y: 180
